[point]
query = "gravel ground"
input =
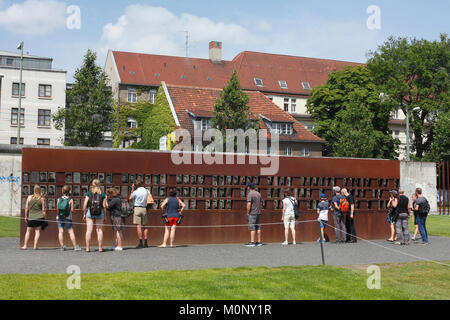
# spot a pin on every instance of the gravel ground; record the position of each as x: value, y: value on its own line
x: 14, y: 260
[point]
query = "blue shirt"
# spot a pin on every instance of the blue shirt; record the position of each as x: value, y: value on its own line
x: 172, y: 207
x: 140, y: 197
x: 336, y: 199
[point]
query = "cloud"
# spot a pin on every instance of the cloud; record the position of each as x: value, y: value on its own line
x: 34, y: 17
x: 156, y: 30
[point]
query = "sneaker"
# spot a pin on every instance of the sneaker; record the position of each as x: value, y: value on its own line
x: 76, y: 248
x: 324, y: 241
x: 118, y: 249
x: 139, y: 246
x: 294, y: 243
x: 250, y: 244
x: 258, y: 244
x: 285, y: 243
x: 424, y: 243
x: 63, y: 248
x: 397, y: 243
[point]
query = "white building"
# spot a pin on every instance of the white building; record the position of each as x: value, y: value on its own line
x: 43, y: 92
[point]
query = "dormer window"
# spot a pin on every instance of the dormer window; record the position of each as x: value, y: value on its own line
x: 259, y: 82
x: 306, y: 86
x: 206, y: 124
x: 283, y: 84
x: 282, y: 128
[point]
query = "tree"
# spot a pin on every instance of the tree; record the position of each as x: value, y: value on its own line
x: 351, y: 116
x: 158, y: 123
x: 231, y: 110
x: 89, y: 112
x: 440, y: 149
x: 414, y: 74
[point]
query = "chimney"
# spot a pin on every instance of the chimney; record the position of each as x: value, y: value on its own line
x: 215, y: 51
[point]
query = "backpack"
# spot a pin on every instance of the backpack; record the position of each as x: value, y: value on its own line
x: 296, y: 210
x: 95, y: 206
x: 63, y: 210
x: 424, y: 209
x: 126, y: 209
x: 344, y: 206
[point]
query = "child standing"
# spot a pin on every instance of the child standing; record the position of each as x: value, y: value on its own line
x: 64, y: 217
x: 322, y: 210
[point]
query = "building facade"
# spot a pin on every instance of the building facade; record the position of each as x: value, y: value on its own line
x: 43, y: 92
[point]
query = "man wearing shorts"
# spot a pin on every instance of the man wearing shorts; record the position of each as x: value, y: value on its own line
x: 254, y: 215
x: 139, y: 196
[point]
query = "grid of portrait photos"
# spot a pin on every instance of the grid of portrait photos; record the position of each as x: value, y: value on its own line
x: 209, y: 192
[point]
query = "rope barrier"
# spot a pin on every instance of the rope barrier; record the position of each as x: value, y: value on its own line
x: 178, y: 226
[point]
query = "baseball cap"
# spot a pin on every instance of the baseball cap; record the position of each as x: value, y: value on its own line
x: 251, y: 185
x: 323, y: 196
x: 393, y: 192
x: 337, y: 189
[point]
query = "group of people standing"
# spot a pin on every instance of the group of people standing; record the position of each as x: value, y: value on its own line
x: 95, y: 204
x: 342, y: 207
x: 400, y: 212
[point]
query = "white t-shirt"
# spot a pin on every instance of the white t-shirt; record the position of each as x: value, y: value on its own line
x: 289, y: 208
x: 140, y: 197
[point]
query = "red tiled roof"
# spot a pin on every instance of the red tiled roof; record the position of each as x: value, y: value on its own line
x: 201, y: 101
x: 142, y: 69
x: 272, y: 68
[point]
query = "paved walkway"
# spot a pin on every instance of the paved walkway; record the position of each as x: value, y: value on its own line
x: 14, y: 260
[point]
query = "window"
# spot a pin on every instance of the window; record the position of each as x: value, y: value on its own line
x: 14, y: 140
x: 305, y: 152
x: 283, y: 128
x: 9, y: 61
x: 259, y: 82
x: 15, y: 89
x: 44, y: 118
x: 288, y: 151
x: 286, y: 104
x: 310, y: 128
x: 131, y: 123
x: 206, y: 124
x: 397, y: 133
x: 394, y: 114
x: 132, y: 95
x: 152, y: 96
x: 283, y: 84
x: 293, y: 105
x: 14, y: 116
x: 306, y: 86
x: 43, y: 142
x: 45, y: 91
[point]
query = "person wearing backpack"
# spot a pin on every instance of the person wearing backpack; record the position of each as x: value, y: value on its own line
x: 323, y: 209
x: 338, y: 217
x: 114, y: 205
x: 174, y: 209
x: 348, y: 209
x: 64, y: 211
x: 94, y: 214
x: 422, y: 207
x: 288, y: 216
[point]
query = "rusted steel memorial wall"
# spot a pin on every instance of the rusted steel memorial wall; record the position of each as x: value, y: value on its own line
x: 215, y: 195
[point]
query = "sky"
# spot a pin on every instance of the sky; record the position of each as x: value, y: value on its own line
x: 335, y: 29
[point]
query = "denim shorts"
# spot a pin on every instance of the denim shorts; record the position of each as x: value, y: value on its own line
x: 100, y: 217
x: 323, y: 224
x: 65, y: 223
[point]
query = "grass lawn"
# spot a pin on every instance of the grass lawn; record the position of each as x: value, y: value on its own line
x: 436, y: 226
x: 418, y: 280
x: 9, y: 227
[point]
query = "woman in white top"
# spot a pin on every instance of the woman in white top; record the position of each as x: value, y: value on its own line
x: 288, y: 216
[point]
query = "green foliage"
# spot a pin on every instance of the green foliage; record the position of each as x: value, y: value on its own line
x: 351, y: 116
x: 231, y: 110
x: 90, y: 109
x: 415, y: 73
x: 440, y: 149
x: 138, y: 111
x: 159, y: 122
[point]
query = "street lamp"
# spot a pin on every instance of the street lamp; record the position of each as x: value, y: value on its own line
x: 408, y: 158
x: 20, y: 47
